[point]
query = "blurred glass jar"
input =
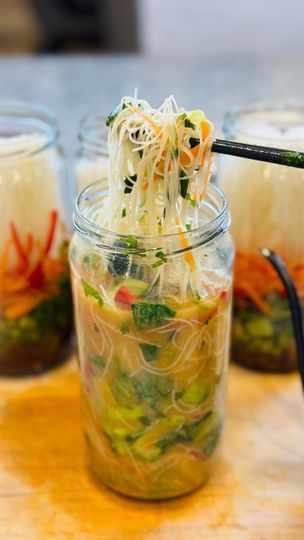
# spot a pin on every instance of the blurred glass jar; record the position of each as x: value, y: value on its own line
x: 35, y: 298
x: 266, y: 203
x: 92, y: 159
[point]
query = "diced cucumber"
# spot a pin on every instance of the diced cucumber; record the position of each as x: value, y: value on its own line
x: 196, y: 116
x: 195, y: 393
x: 124, y: 390
x: 200, y: 430
x: 123, y: 422
x: 146, y: 451
x: 136, y: 286
x: 259, y: 327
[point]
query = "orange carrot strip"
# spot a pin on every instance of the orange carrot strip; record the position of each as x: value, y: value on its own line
x: 19, y: 248
x: 50, y: 237
x: 188, y: 256
x: 147, y: 118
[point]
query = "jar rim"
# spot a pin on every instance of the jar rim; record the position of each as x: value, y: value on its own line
x: 232, y: 125
x: 202, y: 235
x: 30, y: 119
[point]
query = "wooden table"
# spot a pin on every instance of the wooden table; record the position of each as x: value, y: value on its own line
x: 47, y: 492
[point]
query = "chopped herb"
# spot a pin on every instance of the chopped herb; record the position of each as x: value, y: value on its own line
x: 145, y: 420
x: 157, y: 264
x: 123, y: 212
x: 125, y: 327
x: 174, y: 153
x: 149, y: 351
x: 184, y: 182
x: 150, y: 315
x: 191, y: 201
x: 129, y: 183
x: 130, y: 241
x: 98, y: 361
x: 95, y: 328
x: 141, y: 153
x: 91, y: 292
x: 178, y: 394
x: 114, y: 113
x: 164, y: 444
x: 188, y: 227
x: 182, y: 116
x: 189, y: 124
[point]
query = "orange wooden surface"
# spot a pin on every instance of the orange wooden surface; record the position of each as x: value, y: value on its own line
x: 47, y: 492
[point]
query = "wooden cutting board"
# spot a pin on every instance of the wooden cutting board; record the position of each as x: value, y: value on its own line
x: 47, y: 492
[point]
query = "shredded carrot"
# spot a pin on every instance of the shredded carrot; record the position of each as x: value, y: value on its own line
x: 254, y: 278
x: 19, y: 248
x: 24, y: 287
x: 147, y: 118
x: 50, y: 237
x: 188, y: 256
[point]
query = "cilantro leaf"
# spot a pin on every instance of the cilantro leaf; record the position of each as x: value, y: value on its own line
x: 150, y: 315
x: 89, y: 291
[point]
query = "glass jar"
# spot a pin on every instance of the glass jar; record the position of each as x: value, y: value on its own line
x: 266, y: 203
x: 153, y: 349
x: 92, y: 159
x: 35, y: 298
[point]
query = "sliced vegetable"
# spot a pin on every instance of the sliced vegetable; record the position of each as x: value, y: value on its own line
x: 150, y: 315
x: 91, y: 292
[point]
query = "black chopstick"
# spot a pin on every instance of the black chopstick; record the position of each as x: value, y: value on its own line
x: 294, y: 302
x: 259, y: 153
x: 289, y: 158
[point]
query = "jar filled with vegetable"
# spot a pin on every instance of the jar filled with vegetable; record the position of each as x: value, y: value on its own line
x: 266, y: 202
x: 35, y: 298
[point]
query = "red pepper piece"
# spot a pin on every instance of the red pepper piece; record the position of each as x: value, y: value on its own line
x: 51, y: 233
x: 125, y: 297
x: 19, y: 248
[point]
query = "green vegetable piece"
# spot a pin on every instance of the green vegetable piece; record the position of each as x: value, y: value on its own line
x: 124, y: 391
x: 125, y: 327
x: 188, y: 227
x: 189, y: 124
x: 184, y: 183
x: 123, y: 212
x: 205, y: 431
x: 129, y: 183
x: 147, y: 452
x: 91, y: 292
x: 259, y: 327
x: 164, y: 444
x: 114, y: 113
x: 150, y: 352
x: 123, y: 422
x: 150, y: 315
x: 136, y: 286
x: 195, y: 393
x: 98, y: 361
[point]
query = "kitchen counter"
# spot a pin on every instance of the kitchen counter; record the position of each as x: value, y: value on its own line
x: 47, y: 491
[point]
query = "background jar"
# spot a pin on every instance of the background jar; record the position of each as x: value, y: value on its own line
x: 153, y: 348
x: 35, y: 299
x: 92, y: 159
x: 266, y: 203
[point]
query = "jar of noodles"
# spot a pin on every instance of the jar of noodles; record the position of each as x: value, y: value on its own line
x: 35, y: 297
x: 153, y: 347
x: 266, y: 205
x: 92, y: 159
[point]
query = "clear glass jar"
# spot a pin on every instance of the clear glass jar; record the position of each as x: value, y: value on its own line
x: 35, y: 297
x: 153, y: 351
x: 266, y: 204
x: 92, y: 159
